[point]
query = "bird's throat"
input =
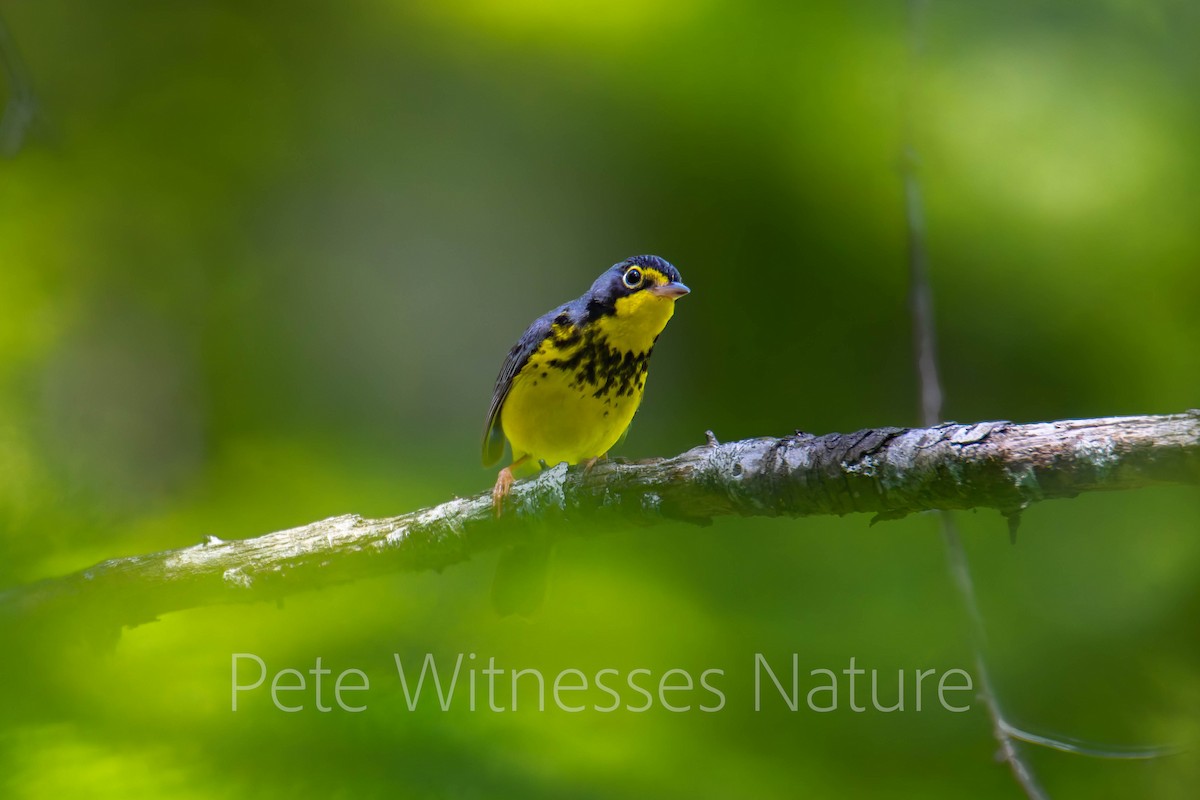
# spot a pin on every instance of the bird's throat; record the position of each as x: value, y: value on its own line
x: 636, y: 322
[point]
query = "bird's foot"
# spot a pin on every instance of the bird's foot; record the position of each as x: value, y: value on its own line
x: 588, y: 463
x: 504, y: 482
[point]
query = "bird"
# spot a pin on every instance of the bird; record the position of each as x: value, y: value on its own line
x: 569, y: 387
x: 567, y: 392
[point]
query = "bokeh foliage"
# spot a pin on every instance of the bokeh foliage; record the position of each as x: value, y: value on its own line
x: 259, y: 265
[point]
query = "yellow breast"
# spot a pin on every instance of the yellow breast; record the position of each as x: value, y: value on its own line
x: 579, y: 390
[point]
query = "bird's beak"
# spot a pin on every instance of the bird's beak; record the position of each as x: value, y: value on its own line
x: 673, y: 290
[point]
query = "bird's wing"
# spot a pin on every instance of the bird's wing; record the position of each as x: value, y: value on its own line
x: 517, y: 358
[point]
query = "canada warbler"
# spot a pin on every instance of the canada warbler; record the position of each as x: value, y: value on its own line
x: 571, y: 384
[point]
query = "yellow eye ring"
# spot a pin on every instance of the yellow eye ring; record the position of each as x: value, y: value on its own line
x: 633, y: 278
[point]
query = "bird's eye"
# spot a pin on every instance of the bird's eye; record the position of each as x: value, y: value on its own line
x: 633, y: 278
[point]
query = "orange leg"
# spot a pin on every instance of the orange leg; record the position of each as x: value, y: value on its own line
x: 504, y: 482
x: 588, y: 463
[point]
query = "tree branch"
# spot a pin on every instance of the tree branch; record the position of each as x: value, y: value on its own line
x: 890, y: 472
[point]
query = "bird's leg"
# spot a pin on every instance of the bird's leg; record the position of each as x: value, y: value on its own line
x: 588, y: 463
x: 504, y: 482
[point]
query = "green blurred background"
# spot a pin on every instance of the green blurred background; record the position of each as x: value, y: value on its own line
x: 259, y: 264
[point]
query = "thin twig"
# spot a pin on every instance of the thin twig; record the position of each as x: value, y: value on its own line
x: 925, y: 352
x: 21, y: 107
